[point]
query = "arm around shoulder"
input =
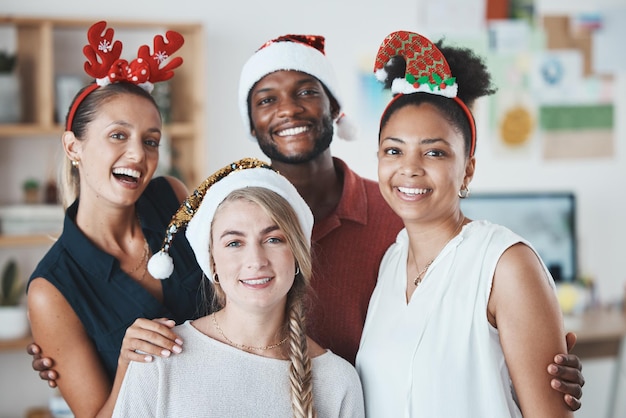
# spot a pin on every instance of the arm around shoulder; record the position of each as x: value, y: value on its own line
x: 61, y: 335
x: 524, y: 309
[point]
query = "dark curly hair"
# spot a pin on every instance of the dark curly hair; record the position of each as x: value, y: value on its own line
x: 472, y: 77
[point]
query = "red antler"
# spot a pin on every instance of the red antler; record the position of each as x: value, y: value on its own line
x: 162, y: 52
x: 101, y: 52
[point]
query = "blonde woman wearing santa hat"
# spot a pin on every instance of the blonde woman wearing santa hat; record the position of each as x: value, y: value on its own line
x: 251, y: 234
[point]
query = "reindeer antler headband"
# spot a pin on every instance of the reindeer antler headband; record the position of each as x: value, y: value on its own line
x: 427, y: 71
x: 104, y: 63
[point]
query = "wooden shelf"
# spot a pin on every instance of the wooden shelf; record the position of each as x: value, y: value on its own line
x: 7, y: 241
x: 38, y: 46
x: 30, y: 129
x: 16, y: 345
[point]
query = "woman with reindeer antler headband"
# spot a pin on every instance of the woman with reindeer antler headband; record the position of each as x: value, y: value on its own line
x: 93, y: 283
x: 453, y: 294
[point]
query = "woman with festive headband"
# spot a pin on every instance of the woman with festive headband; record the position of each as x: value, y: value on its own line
x: 251, y: 234
x: 93, y: 283
x: 452, y: 293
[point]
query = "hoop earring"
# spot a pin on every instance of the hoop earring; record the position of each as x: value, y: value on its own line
x: 464, y: 192
x: 216, y: 278
x: 297, y: 271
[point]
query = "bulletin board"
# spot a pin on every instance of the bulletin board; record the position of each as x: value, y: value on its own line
x: 554, y: 74
x: 555, y: 83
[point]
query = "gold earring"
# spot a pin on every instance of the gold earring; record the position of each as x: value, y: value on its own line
x: 74, y: 163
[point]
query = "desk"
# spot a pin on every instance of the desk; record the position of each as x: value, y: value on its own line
x: 601, y: 333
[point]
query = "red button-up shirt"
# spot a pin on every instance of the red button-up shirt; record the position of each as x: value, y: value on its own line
x: 348, y: 246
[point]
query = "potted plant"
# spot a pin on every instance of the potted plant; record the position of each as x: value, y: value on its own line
x: 9, y: 89
x: 13, y: 319
x: 31, y: 191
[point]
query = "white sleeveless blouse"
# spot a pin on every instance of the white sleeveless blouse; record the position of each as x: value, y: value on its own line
x: 438, y: 356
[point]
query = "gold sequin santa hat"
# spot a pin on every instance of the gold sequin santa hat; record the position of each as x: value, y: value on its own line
x: 197, y: 211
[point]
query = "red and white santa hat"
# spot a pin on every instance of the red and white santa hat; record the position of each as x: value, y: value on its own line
x: 304, y: 53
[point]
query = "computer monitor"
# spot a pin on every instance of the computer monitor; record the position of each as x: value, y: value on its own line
x: 546, y: 219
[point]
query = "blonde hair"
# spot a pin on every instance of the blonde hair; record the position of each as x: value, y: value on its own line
x: 281, y: 212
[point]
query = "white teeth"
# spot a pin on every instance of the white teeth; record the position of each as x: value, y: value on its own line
x: 292, y: 131
x: 407, y: 190
x: 127, y: 172
x: 257, y: 281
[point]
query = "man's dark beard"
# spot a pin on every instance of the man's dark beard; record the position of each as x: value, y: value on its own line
x: 322, y: 143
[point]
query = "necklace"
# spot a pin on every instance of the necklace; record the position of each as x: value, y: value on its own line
x: 242, y: 346
x: 143, y: 261
x: 420, y: 275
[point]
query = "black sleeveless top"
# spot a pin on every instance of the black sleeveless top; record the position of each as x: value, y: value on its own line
x: 104, y: 297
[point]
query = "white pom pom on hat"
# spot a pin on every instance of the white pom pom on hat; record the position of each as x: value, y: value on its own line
x: 197, y: 211
x: 346, y: 129
x: 161, y: 265
x: 304, y: 53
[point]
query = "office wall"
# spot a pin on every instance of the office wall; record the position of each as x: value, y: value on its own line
x: 354, y: 29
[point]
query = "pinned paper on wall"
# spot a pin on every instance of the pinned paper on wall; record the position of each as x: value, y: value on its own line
x: 608, y: 55
x: 561, y: 33
x: 513, y: 110
x: 522, y: 9
x: 577, y: 131
x: 557, y: 76
x: 509, y: 36
x: 575, y: 103
x: 512, y: 44
x: 449, y: 16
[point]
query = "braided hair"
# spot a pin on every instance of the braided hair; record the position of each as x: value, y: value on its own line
x: 300, y: 374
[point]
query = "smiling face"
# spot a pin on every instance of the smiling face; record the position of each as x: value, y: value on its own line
x: 252, y: 256
x: 422, y: 164
x: 120, y: 150
x: 291, y: 116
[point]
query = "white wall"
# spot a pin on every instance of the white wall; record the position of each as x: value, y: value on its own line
x: 234, y: 29
x: 353, y: 30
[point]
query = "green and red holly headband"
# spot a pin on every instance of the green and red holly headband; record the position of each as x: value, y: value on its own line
x: 104, y: 63
x: 427, y: 71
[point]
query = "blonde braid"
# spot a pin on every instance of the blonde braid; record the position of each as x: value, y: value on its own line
x: 300, y: 375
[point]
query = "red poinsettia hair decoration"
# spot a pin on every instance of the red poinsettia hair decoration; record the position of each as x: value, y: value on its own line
x: 105, y: 65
